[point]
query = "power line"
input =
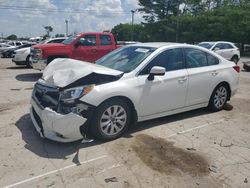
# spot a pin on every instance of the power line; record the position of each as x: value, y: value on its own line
x: 26, y: 8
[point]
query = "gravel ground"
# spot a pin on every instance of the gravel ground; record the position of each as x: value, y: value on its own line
x: 192, y: 149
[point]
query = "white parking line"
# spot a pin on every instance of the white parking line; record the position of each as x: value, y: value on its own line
x: 198, y: 127
x: 53, y: 171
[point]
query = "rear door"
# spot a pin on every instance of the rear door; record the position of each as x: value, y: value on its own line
x: 86, y: 48
x: 204, y: 74
x: 106, y: 45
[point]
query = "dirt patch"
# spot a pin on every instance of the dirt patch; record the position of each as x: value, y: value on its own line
x: 164, y: 157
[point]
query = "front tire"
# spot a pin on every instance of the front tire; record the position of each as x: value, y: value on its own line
x: 219, y: 98
x: 28, y: 65
x: 111, y: 120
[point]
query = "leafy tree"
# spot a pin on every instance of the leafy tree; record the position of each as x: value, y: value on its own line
x: 48, y: 29
x: 12, y: 37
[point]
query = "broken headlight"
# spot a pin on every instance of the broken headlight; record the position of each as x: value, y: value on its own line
x: 69, y: 95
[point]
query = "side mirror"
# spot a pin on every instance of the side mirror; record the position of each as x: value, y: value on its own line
x: 156, y: 71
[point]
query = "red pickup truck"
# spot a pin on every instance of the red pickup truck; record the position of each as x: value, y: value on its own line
x: 84, y: 46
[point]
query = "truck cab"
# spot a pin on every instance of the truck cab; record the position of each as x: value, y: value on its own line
x: 85, y: 47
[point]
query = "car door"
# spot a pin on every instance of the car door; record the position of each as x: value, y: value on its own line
x: 86, y: 48
x: 203, y: 72
x: 167, y: 92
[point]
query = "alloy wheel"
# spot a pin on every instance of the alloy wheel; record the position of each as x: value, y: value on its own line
x: 113, y: 120
x: 220, y: 97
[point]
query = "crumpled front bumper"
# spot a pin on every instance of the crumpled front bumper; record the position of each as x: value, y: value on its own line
x: 55, y: 126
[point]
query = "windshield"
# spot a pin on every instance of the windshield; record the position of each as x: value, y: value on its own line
x: 69, y: 40
x: 206, y: 45
x: 125, y: 59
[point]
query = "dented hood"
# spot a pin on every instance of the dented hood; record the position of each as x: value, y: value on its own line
x: 62, y: 72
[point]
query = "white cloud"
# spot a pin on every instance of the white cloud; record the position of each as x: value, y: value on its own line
x: 83, y: 15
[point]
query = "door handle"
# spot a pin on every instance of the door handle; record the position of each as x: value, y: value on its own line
x: 214, y: 73
x: 182, y: 80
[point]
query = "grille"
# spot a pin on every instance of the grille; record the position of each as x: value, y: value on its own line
x: 46, y: 96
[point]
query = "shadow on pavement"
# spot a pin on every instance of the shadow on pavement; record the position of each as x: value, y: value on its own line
x: 29, y: 77
x: 50, y: 149
x: 19, y: 67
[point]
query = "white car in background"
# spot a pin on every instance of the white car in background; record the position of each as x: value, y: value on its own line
x: 22, y: 56
x: 226, y: 49
x: 131, y: 84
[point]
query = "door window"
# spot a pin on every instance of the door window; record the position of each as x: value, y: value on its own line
x: 169, y: 59
x: 211, y: 60
x: 218, y: 46
x: 88, y: 40
x: 227, y: 46
x: 105, y: 40
x: 195, y: 58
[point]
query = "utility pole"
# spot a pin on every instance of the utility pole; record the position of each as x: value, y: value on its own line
x: 132, y: 29
x: 67, y: 27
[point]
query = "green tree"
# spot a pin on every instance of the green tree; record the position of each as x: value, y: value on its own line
x: 12, y: 37
x: 48, y: 29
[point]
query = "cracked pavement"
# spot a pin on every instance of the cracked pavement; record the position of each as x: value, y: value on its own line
x: 221, y: 141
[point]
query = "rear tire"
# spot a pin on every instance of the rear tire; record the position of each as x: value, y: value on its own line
x: 111, y: 120
x: 219, y: 98
x: 235, y: 59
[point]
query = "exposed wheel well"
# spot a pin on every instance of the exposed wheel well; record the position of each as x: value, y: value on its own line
x: 131, y: 106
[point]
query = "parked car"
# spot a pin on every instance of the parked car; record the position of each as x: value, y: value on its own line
x: 226, y: 49
x: 15, y: 43
x: 10, y: 52
x: 133, y: 83
x: 4, y: 47
x: 22, y: 56
x: 85, y: 46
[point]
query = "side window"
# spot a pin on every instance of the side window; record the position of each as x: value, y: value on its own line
x: 227, y: 46
x: 195, y: 58
x: 18, y: 44
x: 211, y: 60
x: 88, y: 40
x: 219, y: 46
x: 169, y: 59
x: 105, y: 40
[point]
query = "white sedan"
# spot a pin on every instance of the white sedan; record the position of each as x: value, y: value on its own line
x: 131, y: 84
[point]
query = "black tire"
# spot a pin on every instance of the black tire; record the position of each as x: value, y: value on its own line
x: 235, y: 59
x: 219, y: 98
x: 102, y: 111
x: 246, y: 67
x: 28, y: 62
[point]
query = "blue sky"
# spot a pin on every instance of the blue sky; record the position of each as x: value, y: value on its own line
x: 26, y: 18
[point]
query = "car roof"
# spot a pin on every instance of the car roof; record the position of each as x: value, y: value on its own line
x: 161, y: 44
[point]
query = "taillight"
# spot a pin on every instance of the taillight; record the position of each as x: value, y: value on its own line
x: 236, y: 68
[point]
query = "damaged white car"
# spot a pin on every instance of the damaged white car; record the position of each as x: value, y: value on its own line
x: 133, y: 83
